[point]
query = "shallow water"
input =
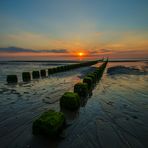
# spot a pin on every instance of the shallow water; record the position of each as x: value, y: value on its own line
x: 16, y: 68
x: 116, y: 115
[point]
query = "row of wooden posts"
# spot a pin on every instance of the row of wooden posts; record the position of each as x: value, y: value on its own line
x: 50, y: 123
x: 26, y: 76
x: 84, y: 88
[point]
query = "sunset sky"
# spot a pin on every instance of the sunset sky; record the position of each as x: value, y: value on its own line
x: 62, y: 29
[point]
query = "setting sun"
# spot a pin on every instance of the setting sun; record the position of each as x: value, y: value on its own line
x: 80, y: 54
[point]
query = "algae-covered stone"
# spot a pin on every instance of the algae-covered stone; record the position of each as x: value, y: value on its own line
x: 26, y: 76
x: 95, y: 74
x: 63, y: 68
x: 99, y: 72
x: 50, y: 71
x: 93, y: 77
x: 35, y: 74
x: 81, y: 89
x: 55, y: 70
x: 60, y: 68
x: 49, y: 123
x: 12, y: 79
x: 89, y: 82
x: 43, y: 73
x: 70, y: 101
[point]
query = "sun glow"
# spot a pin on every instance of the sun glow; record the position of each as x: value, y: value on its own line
x: 80, y: 54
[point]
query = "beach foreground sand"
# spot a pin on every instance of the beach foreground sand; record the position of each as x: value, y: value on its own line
x: 116, y: 115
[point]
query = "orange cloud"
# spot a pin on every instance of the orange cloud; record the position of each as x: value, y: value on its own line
x: 115, y: 44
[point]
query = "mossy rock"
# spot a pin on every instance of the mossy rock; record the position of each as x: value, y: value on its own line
x: 99, y: 72
x: 43, y: 73
x: 26, y: 76
x: 49, y: 123
x: 50, y: 71
x: 12, y: 79
x: 63, y: 68
x: 89, y: 82
x: 55, y: 70
x: 92, y: 76
x: 68, y: 67
x: 70, y: 101
x: 81, y: 89
x: 60, y: 68
x: 96, y: 75
x: 103, y: 66
x: 35, y: 74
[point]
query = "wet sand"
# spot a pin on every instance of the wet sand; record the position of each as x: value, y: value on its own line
x: 113, y: 117
x: 23, y: 103
x: 116, y: 115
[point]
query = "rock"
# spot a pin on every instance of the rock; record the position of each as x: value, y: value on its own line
x: 81, y: 89
x: 12, y: 79
x: 89, y: 82
x: 43, y: 73
x: 35, y: 74
x: 50, y: 123
x: 26, y: 76
x: 70, y: 101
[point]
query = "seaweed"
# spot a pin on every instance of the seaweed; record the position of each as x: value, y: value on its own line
x: 70, y: 101
x: 89, y: 82
x: 81, y: 89
x: 91, y: 75
x: 49, y: 123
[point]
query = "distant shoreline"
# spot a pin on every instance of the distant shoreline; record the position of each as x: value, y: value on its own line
x: 129, y: 60
x: 77, y: 61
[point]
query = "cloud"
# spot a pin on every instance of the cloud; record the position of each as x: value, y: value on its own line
x: 20, y: 50
x: 130, y: 52
x: 105, y: 50
x: 113, y: 44
x: 33, y: 40
x: 99, y: 51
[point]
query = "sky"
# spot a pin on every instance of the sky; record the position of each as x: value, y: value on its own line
x: 61, y: 29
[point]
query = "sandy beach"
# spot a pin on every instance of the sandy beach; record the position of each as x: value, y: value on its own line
x: 116, y: 115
